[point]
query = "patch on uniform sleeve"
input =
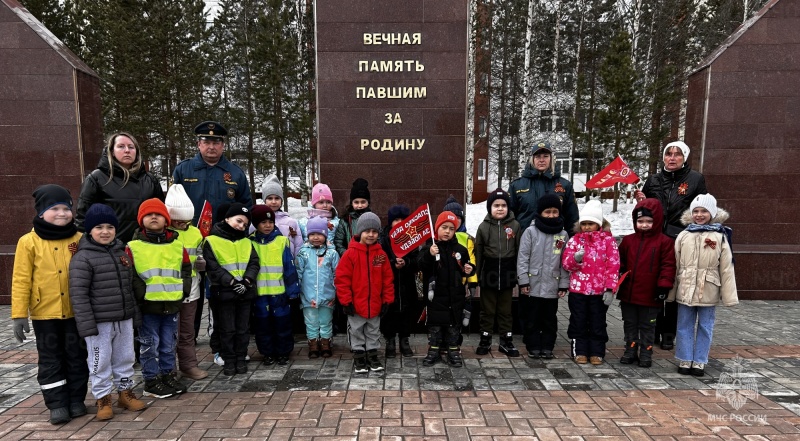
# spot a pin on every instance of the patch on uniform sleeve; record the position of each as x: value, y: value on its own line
x: 559, y: 188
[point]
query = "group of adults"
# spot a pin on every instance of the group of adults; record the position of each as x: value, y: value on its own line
x: 122, y: 182
x: 675, y: 186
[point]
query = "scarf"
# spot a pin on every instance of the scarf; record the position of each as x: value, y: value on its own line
x: 233, y: 232
x: 48, y: 231
x: 548, y: 225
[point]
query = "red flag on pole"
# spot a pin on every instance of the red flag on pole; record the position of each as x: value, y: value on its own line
x: 204, y: 222
x: 413, y: 231
x: 617, y: 171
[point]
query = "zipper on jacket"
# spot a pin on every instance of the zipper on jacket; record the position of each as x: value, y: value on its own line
x: 638, y: 254
x: 119, y: 280
x: 499, y: 261
x: 369, y: 287
x: 652, y: 259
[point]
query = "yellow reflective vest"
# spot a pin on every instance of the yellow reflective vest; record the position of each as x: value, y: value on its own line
x: 231, y: 256
x: 270, y: 258
x: 159, y: 265
x: 192, y: 240
x: 469, y: 243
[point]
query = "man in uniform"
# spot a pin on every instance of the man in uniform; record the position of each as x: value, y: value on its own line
x: 209, y: 176
x: 540, y: 178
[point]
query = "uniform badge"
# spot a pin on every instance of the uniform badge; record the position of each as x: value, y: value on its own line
x: 683, y: 188
x: 231, y: 193
x: 559, y: 188
x: 227, y: 177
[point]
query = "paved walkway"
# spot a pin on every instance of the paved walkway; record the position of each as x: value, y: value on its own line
x: 492, y: 398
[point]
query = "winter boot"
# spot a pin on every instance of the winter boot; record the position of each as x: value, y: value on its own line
x: 507, y: 346
x: 485, y: 344
x: 360, y: 365
x: 391, y: 348
x: 325, y: 347
x: 454, y: 356
x: 313, y: 348
x: 668, y: 342
x: 77, y: 409
x: 432, y: 357
x: 104, y: 410
x: 59, y: 415
x: 646, y: 357
x: 405, y: 348
x: 127, y: 400
x: 630, y: 356
x: 374, y: 361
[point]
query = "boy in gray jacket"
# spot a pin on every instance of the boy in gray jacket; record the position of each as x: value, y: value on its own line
x: 542, y: 280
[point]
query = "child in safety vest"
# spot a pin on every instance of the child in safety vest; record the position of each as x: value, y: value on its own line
x: 276, y: 285
x: 181, y: 210
x: 40, y: 289
x: 316, y: 265
x: 164, y: 280
x: 232, y: 268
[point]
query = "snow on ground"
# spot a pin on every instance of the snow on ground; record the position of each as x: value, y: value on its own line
x: 621, y: 223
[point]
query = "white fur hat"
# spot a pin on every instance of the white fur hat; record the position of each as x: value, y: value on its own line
x: 592, y: 212
x: 706, y: 201
x: 679, y: 144
x: 179, y: 206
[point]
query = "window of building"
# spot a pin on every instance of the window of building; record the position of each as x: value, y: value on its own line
x: 546, y: 120
x: 481, y: 169
x: 482, y: 127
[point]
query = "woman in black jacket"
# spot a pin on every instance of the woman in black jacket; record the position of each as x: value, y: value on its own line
x: 121, y: 182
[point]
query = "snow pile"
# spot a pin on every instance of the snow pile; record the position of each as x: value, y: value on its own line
x: 621, y: 223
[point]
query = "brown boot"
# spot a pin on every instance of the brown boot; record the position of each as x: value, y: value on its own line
x: 325, y: 347
x: 104, y: 410
x: 128, y: 400
x: 313, y: 348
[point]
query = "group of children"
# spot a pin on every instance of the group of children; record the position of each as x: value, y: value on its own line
x: 86, y: 294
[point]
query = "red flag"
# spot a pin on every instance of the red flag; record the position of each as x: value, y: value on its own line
x: 617, y: 171
x: 204, y: 222
x: 412, y: 231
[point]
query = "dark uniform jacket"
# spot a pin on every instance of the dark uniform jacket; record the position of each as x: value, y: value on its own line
x: 100, y: 286
x: 124, y: 200
x: 447, y: 306
x: 675, y: 190
x: 218, y: 184
x: 526, y: 190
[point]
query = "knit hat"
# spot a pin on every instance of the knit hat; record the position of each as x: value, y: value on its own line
x: 368, y: 221
x: 260, y: 213
x: 319, y: 224
x: 548, y: 200
x: 50, y: 195
x: 153, y: 205
x: 237, y: 209
x: 321, y: 192
x: 447, y: 216
x: 452, y: 205
x: 99, y: 214
x: 178, y: 204
x: 706, y: 201
x: 219, y: 212
x: 679, y: 144
x: 592, y: 212
x: 541, y: 145
x: 360, y: 189
x: 642, y: 212
x: 499, y: 193
x: 271, y: 186
x: 397, y: 212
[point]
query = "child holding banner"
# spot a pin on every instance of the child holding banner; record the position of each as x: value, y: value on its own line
x: 404, y: 269
x: 445, y: 263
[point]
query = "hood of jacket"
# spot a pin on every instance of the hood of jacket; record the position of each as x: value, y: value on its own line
x: 720, y: 218
x: 658, y: 216
x: 265, y: 238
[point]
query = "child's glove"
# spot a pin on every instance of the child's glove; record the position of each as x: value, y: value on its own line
x: 239, y: 287
x: 579, y: 256
x: 349, y: 309
x: 20, y: 325
x: 661, y: 294
x: 200, y: 264
x: 608, y: 297
x: 384, y: 309
x: 431, y: 289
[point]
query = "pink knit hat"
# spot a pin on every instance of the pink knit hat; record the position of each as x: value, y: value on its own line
x: 321, y: 192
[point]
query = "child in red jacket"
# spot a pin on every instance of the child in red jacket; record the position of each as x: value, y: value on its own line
x: 648, y: 258
x: 365, y: 289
